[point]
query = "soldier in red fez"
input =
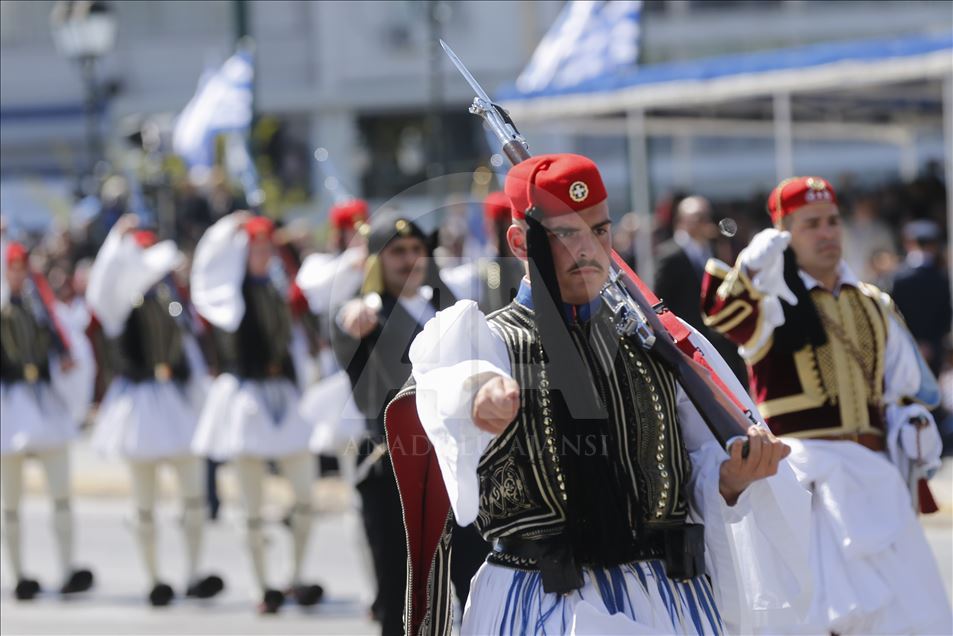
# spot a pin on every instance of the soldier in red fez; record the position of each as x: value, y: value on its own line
x: 46, y: 383
x: 149, y: 413
x: 835, y: 371
x: 251, y: 414
x: 330, y: 279
x: 346, y: 219
x: 576, y: 452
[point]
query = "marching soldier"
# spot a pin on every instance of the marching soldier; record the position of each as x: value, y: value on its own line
x: 46, y: 383
x: 836, y: 373
x: 576, y: 450
x: 251, y: 414
x: 329, y: 280
x: 149, y: 413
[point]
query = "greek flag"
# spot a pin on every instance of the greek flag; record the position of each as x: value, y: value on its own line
x: 590, y: 38
x: 222, y: 103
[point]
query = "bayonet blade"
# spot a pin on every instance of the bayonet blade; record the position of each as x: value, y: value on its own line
x: 466, y: 74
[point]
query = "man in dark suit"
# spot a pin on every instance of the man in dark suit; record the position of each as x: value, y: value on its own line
x: 921, y: 290
x: 681, y: 267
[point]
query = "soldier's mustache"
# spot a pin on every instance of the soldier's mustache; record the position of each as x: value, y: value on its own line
x: 585, y: 263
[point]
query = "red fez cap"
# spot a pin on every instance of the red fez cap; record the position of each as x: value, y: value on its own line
x: 16, y: 252
x: 496, y: 207
x: 797, y: 192
x: 558, y: 184
x: 145, y: 238
x: 346, y: 215
x: 259, y: 227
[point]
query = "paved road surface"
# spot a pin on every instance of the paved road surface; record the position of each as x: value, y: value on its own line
x: 118, y: 604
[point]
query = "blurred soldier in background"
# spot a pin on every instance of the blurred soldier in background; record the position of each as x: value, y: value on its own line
x: 835, y: 371
x: 46, y: 383
x: 251, y: 415
x: 330, y: 279
x: 149, y: 414
x: 372, y: 334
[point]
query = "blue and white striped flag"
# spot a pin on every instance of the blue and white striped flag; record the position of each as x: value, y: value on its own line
x: 590, y: 38
x: 221, y: 104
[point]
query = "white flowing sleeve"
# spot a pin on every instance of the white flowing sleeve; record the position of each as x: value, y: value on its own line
x: 906, y: 375
x: 902, y: 373
x: 329, y: 281
x: 902, y: 376
x: 218, y: 269
x: 452, y: 357
x: 757, y: 550
x: 123, y: 272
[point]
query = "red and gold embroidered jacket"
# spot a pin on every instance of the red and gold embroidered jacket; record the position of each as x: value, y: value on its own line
x: 830, y: 390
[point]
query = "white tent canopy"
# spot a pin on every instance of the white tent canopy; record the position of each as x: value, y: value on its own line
x: 821, y: 67
x: 896, y: 80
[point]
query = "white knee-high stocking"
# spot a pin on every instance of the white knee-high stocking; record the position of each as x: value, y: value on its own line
x: 11, y: 478
x: 144, y: 475
x: 251, y: 477
x: 299, y: 470
x: 191, y: 489
x: 56, y: 466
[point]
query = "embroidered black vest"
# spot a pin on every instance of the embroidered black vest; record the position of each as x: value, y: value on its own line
x: 150, y: 346
x: 25, y: 344
x: 523, y: 490
x: 258, y: 350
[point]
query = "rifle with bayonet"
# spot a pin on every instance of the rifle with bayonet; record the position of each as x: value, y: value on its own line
x: 626, y: 295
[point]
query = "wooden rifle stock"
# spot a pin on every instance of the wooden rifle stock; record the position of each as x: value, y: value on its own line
x: 721, y: 413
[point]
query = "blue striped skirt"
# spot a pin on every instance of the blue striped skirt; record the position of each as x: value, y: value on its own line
x: 634, y: 598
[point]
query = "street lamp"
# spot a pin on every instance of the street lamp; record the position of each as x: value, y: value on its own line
x: 84, y: 31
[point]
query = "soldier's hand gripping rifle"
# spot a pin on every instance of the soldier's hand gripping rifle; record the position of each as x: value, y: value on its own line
x: 626, y: 295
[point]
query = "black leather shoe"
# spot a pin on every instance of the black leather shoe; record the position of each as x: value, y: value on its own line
x: 272, y: 602
x: 161, y: 595
x: 206, y: 588
x: 78, y: 581
x: 26, y: 589
x: 307, y: 595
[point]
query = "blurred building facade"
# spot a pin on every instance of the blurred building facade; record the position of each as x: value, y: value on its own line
x: 363, y: 79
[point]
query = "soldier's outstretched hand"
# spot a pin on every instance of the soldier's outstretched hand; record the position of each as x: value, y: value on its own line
x: 358, y: 318
x: 496, y: 404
